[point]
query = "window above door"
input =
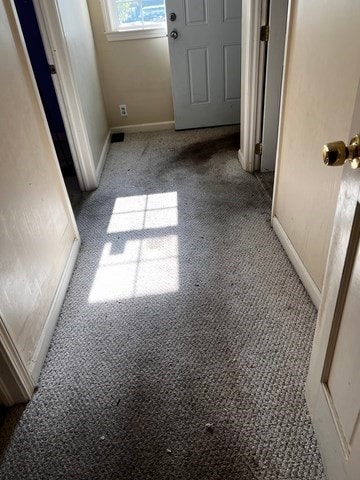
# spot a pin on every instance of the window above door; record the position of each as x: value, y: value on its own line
x: 134, y: 19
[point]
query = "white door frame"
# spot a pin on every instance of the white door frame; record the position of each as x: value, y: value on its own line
x: 57, y: 54
x: 254, y: 15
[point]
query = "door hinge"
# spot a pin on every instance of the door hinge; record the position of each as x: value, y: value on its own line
x: 258, y: 148
x: 52, y: 69
x: 264, y: 33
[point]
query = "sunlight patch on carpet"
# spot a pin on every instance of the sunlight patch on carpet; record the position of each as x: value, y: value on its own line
x: 158, y: 210
x: 139, y: 266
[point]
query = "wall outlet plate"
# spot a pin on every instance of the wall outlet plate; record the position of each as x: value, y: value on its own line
x: 123, y: 110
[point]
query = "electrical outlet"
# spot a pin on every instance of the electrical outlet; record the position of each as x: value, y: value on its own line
x: 123, y: 110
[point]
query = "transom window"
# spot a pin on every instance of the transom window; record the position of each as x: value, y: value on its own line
x: 134, y: 18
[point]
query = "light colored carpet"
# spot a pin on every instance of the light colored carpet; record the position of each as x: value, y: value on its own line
x: 183, y: 344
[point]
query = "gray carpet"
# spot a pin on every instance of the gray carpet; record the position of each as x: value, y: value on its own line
x: 266, y: 180
x: 183, y: 344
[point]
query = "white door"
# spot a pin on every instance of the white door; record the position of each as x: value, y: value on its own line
x: 204, y: 46
x: 333, y: 388
x: 273, y: 77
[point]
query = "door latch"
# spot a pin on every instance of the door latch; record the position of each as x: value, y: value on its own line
x: 174, y: 34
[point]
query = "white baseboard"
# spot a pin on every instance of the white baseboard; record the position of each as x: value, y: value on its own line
x: 241, y: 159
x: 145, y: 127
x: 300, y: 268
x: 104, y: 152
x: 50, y: 324
x: 244, y: 164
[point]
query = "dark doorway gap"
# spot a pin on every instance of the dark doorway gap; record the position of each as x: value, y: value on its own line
x: 34, y: 44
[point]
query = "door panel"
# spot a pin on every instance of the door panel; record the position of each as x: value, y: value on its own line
x: 195, y: 12
x: 333, y: 386
x: 343, y: 382
x: 232, y: 10
x: 232, y: 75
x: 198, y: 75
x: 205, y: 62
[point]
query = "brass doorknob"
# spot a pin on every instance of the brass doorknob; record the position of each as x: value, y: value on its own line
x: 337, y: 153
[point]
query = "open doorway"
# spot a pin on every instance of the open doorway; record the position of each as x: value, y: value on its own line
x: 263, y: 48
x: 275, y: 49
x: 204, y: 41
x: 43, y: 73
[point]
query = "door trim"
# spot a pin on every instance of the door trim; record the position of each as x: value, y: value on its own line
x: 16, y: 384
x: 252, y: 76
x: 55, y: 46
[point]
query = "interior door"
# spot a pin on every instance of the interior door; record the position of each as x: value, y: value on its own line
x: 333, y: 388
x: 204, y: 46
x: 273, y: 78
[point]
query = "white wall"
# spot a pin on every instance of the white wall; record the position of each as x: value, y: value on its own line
x: 37, y: 228
x: 318, y: 101
x: 76, y: 26
x: 135, y: 73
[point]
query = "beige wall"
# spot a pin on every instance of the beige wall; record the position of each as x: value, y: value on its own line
x: 135, y: 73
x: 36, y: 223
x: 319, y: 95
x: 76, y: 25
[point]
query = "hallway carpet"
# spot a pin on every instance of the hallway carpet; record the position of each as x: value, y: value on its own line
x: 183, y: 344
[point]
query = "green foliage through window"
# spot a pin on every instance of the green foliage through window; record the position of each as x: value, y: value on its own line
x: 138, y: 13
